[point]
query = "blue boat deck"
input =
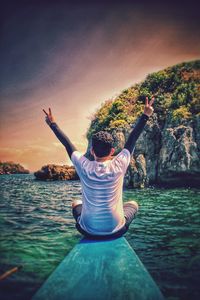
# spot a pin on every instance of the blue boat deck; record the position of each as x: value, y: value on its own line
x: 100, y: 270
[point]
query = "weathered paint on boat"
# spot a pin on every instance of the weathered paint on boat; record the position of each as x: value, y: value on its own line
x: 100, y: 270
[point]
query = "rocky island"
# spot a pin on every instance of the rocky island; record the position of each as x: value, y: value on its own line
x: 168, y: 151
x: 54, y: 172
x: 12, y: 168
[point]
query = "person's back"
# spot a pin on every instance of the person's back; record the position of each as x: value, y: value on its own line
x: 102, y: 183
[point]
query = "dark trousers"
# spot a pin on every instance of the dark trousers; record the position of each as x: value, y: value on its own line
x: 130, y: 211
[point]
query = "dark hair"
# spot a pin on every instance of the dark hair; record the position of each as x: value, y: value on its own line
x: 102, y: 142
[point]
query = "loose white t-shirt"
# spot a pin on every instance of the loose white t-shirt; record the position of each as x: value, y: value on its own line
x: 102, y: 185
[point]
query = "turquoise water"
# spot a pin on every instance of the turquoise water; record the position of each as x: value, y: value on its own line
x: 37, y: 231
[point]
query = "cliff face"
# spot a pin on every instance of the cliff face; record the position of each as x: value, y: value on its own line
x: 179, y: 157
x: 54, y: 172
x: 168, y: 150
x: 168, y: 155
x: 12, y: 168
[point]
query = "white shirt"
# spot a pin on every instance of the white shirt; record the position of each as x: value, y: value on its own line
x: 102, y: 184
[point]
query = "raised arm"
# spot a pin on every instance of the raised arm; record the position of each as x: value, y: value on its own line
x: 59, y: 133
x: 137, y: 130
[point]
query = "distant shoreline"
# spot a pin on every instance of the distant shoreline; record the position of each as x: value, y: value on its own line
x: 8, y: 168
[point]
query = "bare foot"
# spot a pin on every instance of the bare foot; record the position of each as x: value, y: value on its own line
x: 76, y: 202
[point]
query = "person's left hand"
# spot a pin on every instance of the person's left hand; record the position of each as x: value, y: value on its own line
x: 148, y: 108
x: 49, y: 118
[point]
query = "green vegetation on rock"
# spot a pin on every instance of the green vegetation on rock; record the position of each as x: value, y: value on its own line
x: 176, y: 90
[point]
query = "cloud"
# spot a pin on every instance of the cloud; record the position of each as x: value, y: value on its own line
x: 58, y: 145
x: 6, y: 150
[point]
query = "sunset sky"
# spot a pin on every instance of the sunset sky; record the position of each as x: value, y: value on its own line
x: 72, y: 57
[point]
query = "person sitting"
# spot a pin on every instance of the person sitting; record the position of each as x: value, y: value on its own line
x: 101, y: 212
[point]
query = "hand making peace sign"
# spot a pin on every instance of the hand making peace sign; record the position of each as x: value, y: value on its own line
x: 148, y: 108
x: 49, y: 118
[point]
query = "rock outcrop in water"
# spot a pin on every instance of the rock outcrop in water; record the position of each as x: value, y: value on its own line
x: 12, y: 168
x: 54, y: 172
x: 168, y: 151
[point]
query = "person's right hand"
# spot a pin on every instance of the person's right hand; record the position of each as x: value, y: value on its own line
x: 148, y: 108
x: 49, y: 118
